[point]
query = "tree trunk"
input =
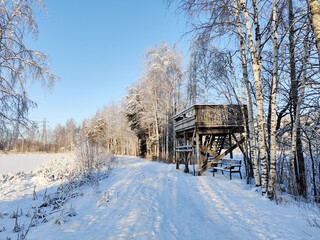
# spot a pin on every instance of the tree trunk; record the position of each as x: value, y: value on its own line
x: 301, y: 165
x: 313, y: 172
x: 301, y: 162
x: 259, y: 99
x: 167, y: 133
x: 296, y: 145
x: 315, y: 16
x: 251, y: 133
x: 293, y: 98
x: 257, y: 33
x: 273, y: 123
x: 157, y: 130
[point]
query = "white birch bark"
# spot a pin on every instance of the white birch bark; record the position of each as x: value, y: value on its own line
x: 259, y: 98
x: 157, y: 129
x: 257, y: 33
x: 315, y: 16
x: 206, y: 68
x: 252, y: 141
x: 273, y: 143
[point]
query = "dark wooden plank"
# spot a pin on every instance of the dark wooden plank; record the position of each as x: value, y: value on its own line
x: 184, y: 146
x: 205, y: 149
x: 239, y: 145
x: 198, y: 152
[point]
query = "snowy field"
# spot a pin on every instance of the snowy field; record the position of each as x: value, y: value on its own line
x: 141, y: 199
x: 21, y: 162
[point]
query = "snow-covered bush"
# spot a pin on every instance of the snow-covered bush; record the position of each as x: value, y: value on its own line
x: 313, y: 218
x: 92, y: 156
x: 91, y: 164
x: 53, y: 187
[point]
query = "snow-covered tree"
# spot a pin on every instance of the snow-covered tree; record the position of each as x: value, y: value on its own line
x: 156, y: 98
x: 19, y: 65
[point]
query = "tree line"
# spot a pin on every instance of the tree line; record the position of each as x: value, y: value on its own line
x: 107, y: 128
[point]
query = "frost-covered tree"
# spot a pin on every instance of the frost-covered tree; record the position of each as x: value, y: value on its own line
x: 60, y: 136
x: 203, y: 70
x: 109, y: 128
x: 19, y: 65
x: 71, y: 131
x: 134, y: 110
x: 156, y: 98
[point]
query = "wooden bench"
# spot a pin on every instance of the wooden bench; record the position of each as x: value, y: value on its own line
x: 228, y: 165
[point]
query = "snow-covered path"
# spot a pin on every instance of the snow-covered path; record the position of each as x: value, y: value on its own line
x: 147, y: 200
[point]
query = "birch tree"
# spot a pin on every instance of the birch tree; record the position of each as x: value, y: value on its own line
x: 273, y: 143
x: 252, y: 137
x: 159, y: 99
x: 109, y: 128
x: 19, y: 65
x: 192, y: 84
x: 315, y: 16
x: 203, y: 57
x: 256, y: 66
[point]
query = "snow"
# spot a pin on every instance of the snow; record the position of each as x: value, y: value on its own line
x: 141, y: 199
x: 21, y: 162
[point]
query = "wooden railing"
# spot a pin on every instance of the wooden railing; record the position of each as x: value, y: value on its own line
x: 216, y: 115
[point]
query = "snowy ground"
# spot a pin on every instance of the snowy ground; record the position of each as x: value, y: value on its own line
x: 21, y: 162
x: 147, y: 200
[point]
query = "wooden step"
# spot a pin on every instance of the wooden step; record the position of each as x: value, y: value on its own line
x: 218, y: 158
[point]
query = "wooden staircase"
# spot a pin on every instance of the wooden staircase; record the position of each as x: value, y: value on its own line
x: 219, y: 144
x: 217, y: 155
x: 212, y: 149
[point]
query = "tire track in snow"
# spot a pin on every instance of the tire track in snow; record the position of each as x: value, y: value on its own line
x: 136, y: 206
x: 227, y: 211
x: 242, y: 216
x: 144, y: 214
x: 183, y: 209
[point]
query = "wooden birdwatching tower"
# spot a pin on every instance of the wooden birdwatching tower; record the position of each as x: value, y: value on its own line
x: 203, y: 131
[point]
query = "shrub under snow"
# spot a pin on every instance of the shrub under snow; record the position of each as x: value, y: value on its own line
x: 51, y: 186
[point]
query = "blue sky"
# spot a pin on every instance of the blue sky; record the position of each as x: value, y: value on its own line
x: 96, y: 48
